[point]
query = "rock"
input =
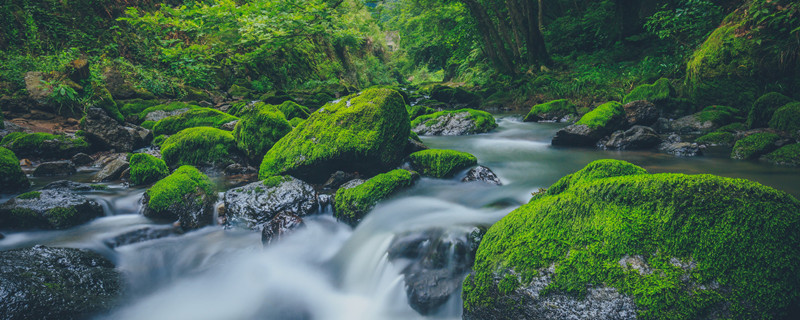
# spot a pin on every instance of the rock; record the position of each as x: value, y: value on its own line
x: 555, y: 110
x: 641, y: 113
x: 142, y: 235
x: 788, y: 155
x: 577, y: 136
x: 593, y: 126
x: 260, y: 128
x: 256, y: 204
x: 635, y: 138
x: 57, y: 283
x: 338, y: 178
x: 787, y: 119
x: 79, y: 70
x: 280, y: 225
x: 202, y: 147
x: 238, y: 169
x: 105, y: 131
x: 55, y: 168
x: 454, y: 123
x: 717, y: 138
x: 66, y: 185
x: 365, y: 132
x: 12, y: 178
x: 483, y: 174
x: 439, y: 163
x: 353, y: 203
x: 186, y: 195
x: 455, y: 96
x: 146, y: 169
x: 764, y: 108
x: 291, y: 109
x: 662, y: 94
x: 756, y: 145
x: 700, y: 123
x: 112, y: 171
x: 582, y: 218
x: 681, y: 149
x: 51, y: 208
x: 158, y: 115
x: 35, y: 87
x: 82, y: 159
x: 195, y: 117
x: 43, y: 145
x: 229, y: 126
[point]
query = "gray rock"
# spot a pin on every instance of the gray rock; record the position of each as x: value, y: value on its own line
x: 48, y: 209
x: 157, y: 115
x: 338, y: 178
x: 230, y: 125
x: 254, y: 205
x: 66, y: 185
x: 142, y: 235
x: 450, y: 124
x: 55, y: 168
x: 351, y: 184
x: 641, y: 112
x: 237, y: 169
x: 104, y: 131
x: 481, y: 173
x: 577, y: 136
x: 681, y: 149
x: 690, y: 125
x: 82, y: 159
x: 113, y: 170
x: 56, y: 283
x: 279, y: 226
x: 635, y: 138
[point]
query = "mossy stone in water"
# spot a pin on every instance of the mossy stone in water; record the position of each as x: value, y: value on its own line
x: 552, y: 110
x: 454, y: 122
x: 259, y: 129
x: 787, y: 118
x: 786, y: 155
x: 12, y: 178
x: 364, y: 132
x: 763, y: 109
x: 198, y: 117
x: 606, y: 116
x: 43, y: 145
x: 440, y: 163
x: 418, y: 110
x: 186, y: 195
x: 717, y: 138
x: 352, y: 204
x: 146, y: 169
x: 754, y: 145
x: 659, y: 91
x: 673, y: 245
x: 201, y: 146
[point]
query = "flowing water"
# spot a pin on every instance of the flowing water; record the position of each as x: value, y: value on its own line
x: 328, y: 270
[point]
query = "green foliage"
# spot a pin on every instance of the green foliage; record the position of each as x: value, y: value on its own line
x: 685, y: 22
x: 603, y: 115
x: 199, y: 147
x: 43, y: 145
x: 659, y: 91
x: 786, y: 155
x: 30, y: 195
x: 787, y: 118
x: 552, y: 109
x: 763, y: 109
x: 717, y: 138
x: 146, y: 169
x: 11, y: 176
x: 173, y: 189
x: 196, y: 117
x: 352, y: 204
x: 585, y: 26
x: 292, y: 110
x: 440, y: 163
x: 484, y: 121
x: 259, y: 129
x: 754, y: 145
x: 711, y: 223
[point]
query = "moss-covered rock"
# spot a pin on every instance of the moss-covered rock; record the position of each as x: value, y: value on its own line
x: 352, y: 204
x: 105, y: 101
x: 291, y: 109
x: 161, y: 111
x: 239, y: 91
x: 186, y: 195
x: 787, y: 155
x: 365, y: 132
x: 259, y: 129
x: 662, y: 94
x: 440, y: 163
x: 12, y: 179
x: 787, y: 118
x: 763, y: 109
x: 146, y: 169
x: 456, y: 96
x: 295, y: 122
x: 754, y: 145
x: 201, y: 146
x: 43, y: 145
x: 48, y: 208
x: 198, y: 117
x: 418, y: 110
x: 593, y: 126
x: 134, y: 107
x: 733, y: 127
x: 718, y: 138
x: 454, y: 123
x: 660, y: 246
x: 551, y: 111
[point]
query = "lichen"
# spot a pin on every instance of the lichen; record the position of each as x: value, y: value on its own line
x: 763, y: 109
x: 199, y: 146
x: 754, y: 145
x: 352, y: 204
x: 259, y: 129
x: 603, y: 115
x: 198, y: 117
x: 146, y: 169
x: 561, y: 108
x: 11, y: 176
x: 172, y: 190
x: 440, y: 163
x: 787, y: 118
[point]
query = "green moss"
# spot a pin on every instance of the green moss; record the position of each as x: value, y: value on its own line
x: 199, y: 146
x: 440, y: 163
x: 42, y: 144
x: 455, y: 95
x: 764, y: 108
x: 604, y: 168
x: 717, y: 114
x: 484, y: 121
x: 11, y: 176
x: 365, y: 132
x: 717, y: 138
x: 786, y: 155
x: 733, y: 127
x: 2, y: 121
x: 274, y: 181
x: 30, y: 195
x: 136, y: 106
x: 198, y: 117
x: 61, y: 217
x: 659, y: 91
x: 239, y: 91
x: 715, y: 224
x: 556, y: 108
x: 602, y: 116
x: 787, y: 118
x: 413, y: 136
x: 172, y: 106
x: 418, y: 110
x: 106, y: 102
x: 146, y: 169
x: 754, y: 145
x: 352, y: 204
x: 158, y: 140
x: 295, y: 122
x: 259, y: 129
x: 291, y: 109
x: 172, y: 190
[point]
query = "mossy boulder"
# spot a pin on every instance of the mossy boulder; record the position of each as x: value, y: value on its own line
x: 554, y: 110
x: 660, y: 90
x: 105, y: 133
x: 454, y: 123
x: 259, y: 129
x: 593, y: 126
x: 43, y: 145
x: 201, y: 146
x: 717, y: 138
x: 352, y: 204
x: 12, y: 179
x: 762, y: 110
x: 239, y: 91
x: 755, y: 145
x: 440, y: 163
x: 708, y: 120
x: 105, y: 101
x: 364, y: 132
x: 49, y: 208
x: 291, y: 109
x: 186, y: 195
x: 418, y: 110
x: 155, y: 113
x: 455, y: 96
x: 296, y: 122
x: 788, y: 155
x: 257, y: 204
x: 733, y: 127
x: 197, y: 117
x: 146, y: 169
x: 787, y: 118
x: 649, y: 246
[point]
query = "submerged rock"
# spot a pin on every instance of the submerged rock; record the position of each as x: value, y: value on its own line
x: 555, y: 110
x: 256, y: 204
x: 142, y: 235
x: 682, y: 149
x: 454, y: 123
x: 50, y: 208
x: 483, y: 174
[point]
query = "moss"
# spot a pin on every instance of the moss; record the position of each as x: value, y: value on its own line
x: 365, y: 132
x: 455, y: 95
x: 733, y: 127
x: 295, y: 122
x: 714, y: 224
x: 413, y: 136
x: 352, y: 204
x: 484, y: 121
x: 2, y: 121
x: 134, y: 107
x: 754, y: 145
x: 555, y: 109
x: 172, y: 190
x: 158, y: 140
x: 717, y: 138
x: 11, y: 176
x: 418, y: 110
x: 787, y: 118
x: 274, y: 181
x: 605, y: 168
x: 198, y: 117
x: 603, y: 116
x: 61, y: 217
x: 440, y: 163
x: 291, y: 109
x: 172, y: 106
x: 659, y: 91
x: 239, y: 91
x: 717, y: 114
x: 763, y: 109
x: 106, y: 102
x: 30, y: 195
x: 42, y: 144
x: 146, y: 169
x: 258, y: 131
x: 786, y: 155
x: 199, y: 146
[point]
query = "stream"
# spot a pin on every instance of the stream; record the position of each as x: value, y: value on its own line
x: 328, y: 270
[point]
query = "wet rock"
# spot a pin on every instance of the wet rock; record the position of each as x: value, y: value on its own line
x: 414, y: 146
x: 279, y: 226
x: 640, y: 112
x: 453, y: 123
x: 82, y: 159
x: 229, y: 126
x: 54, y: 168
x: 113, y: 170
x: 577, y: 136
x: 338, y: 178
x: 103, y: 130
x: 481, y: 173
x: 48, y: 209
x: 255, y: 204
x: 56, y: 283
x: 142, y: 235
x: 593, y: 126
x: 239, y: 169
x: 66, y: 185
x: 635, y: 138
x: 681, y: 149
x: 186, y: 196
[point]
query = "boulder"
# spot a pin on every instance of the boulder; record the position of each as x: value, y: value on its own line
x: 593, y: 126
x: 196, y: 117
x: 439, y: 163
x: 763, y: 109
x: 186, y: 195
x: 112, y: 171
x: 259, y: 129
x: 104, y: 131
x: 755, y: 145
x: 338, y: 178
x: 353, y: 202
x: 555, y: 110
x: 635, y: 138
x: 55, y: 168
x: 12, y: 178
x: 54, y: 207
x: 454, y: 123
x: 255, y: 205
x: 455, y: 96
x: 82, y: 159
x: 279, y: 226
x: 641, y: 113
x: 787, y: 119
x: 696, y: 236
x: 681, y: 149
x: 698, y: 124
x: 43, y: 145
x: 142, y: 235
x: 483, y: 174
x: 788, y: 155
x: 146, y: 169
x: 202, y: 147
x: 717, y: 138
x: 57, y: 283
